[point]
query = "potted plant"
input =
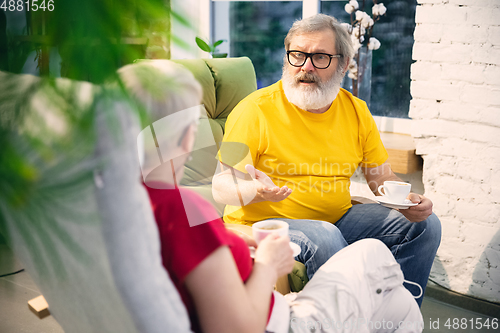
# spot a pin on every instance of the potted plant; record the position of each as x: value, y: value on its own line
x: 211, y: 48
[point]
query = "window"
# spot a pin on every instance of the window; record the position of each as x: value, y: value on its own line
x: 391, y: 63
x: 257, y: 29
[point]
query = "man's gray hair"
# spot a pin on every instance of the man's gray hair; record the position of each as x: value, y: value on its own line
x: 320, y: 22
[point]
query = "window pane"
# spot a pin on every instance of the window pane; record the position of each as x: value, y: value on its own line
x: 391, y: 63
x: 257, y: 30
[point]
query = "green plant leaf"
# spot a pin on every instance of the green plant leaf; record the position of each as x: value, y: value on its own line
x: 217, y: 43
x: 203, y: 45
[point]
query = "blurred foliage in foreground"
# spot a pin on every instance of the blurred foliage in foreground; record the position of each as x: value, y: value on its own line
x: 47, y: 127
x: 92, y: 37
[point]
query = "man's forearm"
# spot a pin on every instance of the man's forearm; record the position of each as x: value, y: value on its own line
x: 236, y: 188
x: 231, y: 190
x: 378, y: 175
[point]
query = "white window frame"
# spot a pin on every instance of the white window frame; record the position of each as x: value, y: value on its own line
x: 309, y: 8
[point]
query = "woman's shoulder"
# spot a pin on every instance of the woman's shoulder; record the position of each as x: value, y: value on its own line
x: 182, y: 207
x: 198, y: 209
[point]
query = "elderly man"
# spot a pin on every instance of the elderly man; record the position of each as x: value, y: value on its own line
x: 306, y: 136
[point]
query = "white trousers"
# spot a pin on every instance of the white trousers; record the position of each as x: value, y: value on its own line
x: 359, y: 289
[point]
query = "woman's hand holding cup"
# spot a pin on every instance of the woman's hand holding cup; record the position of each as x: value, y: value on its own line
x: 273, y: 246
x: 275, y: 251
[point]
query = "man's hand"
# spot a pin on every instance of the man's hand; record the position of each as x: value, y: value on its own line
x: 419, y: 212
x: 266, y: 189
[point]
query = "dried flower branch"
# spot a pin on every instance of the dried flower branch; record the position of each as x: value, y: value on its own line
x: 361, y: 25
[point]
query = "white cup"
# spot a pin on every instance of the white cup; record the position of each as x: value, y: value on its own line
x: 263, y: 228
x: 395, y: 191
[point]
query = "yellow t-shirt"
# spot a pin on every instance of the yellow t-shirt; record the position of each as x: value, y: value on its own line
x: 313, y: 154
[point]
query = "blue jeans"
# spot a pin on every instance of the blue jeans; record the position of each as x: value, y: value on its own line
x: 414, y: 245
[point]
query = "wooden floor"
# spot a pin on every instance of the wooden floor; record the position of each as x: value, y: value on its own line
x: 16, y: 290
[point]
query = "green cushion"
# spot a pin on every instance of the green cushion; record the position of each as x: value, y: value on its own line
x: 229, y: 80
x: 234, y: 80
x: 204, y: 76
x: 222, y: 123
x: 201, y: 168
x: 298, y: 277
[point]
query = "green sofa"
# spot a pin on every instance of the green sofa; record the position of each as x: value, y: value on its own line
x: 225, y: 82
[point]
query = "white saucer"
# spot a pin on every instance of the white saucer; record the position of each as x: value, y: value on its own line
x: 295, y: 248
x: 386, y: 203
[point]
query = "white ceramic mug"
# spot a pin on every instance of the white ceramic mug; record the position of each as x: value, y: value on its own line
x: 395, y: 191
x: 263, y: 228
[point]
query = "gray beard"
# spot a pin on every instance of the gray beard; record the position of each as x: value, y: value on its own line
x: 311, y: 98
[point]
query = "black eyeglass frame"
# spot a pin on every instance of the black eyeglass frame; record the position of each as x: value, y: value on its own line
x: 310, y: 55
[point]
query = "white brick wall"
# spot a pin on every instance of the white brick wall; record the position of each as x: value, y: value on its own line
x: 456, y: 112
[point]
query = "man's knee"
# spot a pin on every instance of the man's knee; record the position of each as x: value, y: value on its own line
x: 427, y: 231
x: 433, y: 230
x: 324, y: 234
x: 434, y: 225
x: 332, y: 232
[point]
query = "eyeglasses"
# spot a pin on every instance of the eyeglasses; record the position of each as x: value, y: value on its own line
x: 319, y: 60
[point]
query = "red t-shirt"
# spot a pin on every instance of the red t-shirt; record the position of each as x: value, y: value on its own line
x: 184, y: 247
